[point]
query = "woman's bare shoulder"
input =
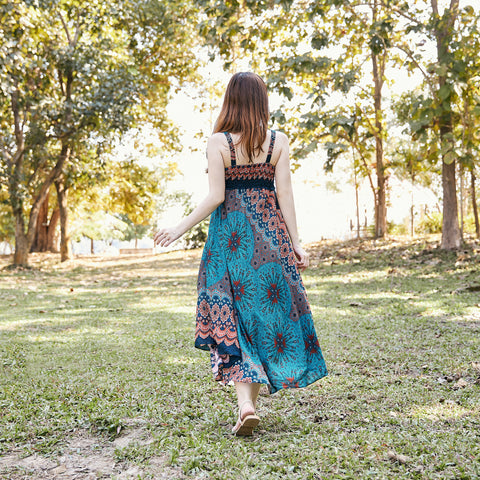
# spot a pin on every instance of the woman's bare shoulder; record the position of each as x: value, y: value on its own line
x: 217, y: 139
x: 281, y: 139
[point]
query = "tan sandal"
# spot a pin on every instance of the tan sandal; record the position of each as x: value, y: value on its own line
x: 245, y: 425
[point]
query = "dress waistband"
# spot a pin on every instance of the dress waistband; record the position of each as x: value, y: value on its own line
x: 237, y: 183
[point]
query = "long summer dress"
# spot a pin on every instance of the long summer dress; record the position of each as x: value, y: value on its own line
x: 252, y: 311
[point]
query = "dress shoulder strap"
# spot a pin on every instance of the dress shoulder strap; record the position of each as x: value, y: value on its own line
x: 270, y: 148
x: 233, y: 158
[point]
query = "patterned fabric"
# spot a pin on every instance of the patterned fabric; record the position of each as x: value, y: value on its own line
x: 253, y: 175
x: 252, y: 311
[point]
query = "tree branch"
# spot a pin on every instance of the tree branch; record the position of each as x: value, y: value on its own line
x: 389, y: 8
x: 355, y: 145
x: 54, y: 173
x: 60, y: 80
x: 77, y: 31
x: 373, y: 130
x: 65, y: 28
x: 412, y: 58
x: 453, y: 10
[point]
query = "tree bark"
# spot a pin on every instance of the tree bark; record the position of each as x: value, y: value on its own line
x: 52, y: 239
x: 451, y: 238
x: 20, y: 256
x: 22, y: 247
x: 474, y: 203
x: 450, y: 231
x: 62, y: 198
x: 357, y: 208
x: 40, y: 240
x: 381, y: 200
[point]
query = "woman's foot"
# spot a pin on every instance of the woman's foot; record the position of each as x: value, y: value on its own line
x: 247, y: 419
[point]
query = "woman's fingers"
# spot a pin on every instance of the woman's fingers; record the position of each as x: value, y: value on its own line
x: 165, y: 237
x: 160, y: 237
x: 302, y: 258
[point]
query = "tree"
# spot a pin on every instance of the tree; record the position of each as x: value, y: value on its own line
x: 7, y: 224
x: 73, y: 73
x: 131, y: 193
x: 443, y: 30
x: 435, y: 120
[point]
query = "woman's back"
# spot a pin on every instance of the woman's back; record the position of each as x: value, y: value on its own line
x: 242, y: 158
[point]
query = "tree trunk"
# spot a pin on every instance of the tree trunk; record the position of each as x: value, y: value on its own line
x: 444, y: 27
x: 20, y: 256
x: 92, y: 247
x: 357, y: 208
x: 22, y: 247
x: 25, y: 238
x: 53, y: 239
x: 450, y: 231
x: 40, y: 241
x: 462, y: 200
x: 381, y: 205
x: 474, y: 203
x: 65, y: 245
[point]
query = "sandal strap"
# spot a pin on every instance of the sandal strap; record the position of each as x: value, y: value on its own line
x: 242, y: 405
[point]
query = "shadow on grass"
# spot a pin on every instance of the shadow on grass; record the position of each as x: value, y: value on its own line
x: 397, y: 330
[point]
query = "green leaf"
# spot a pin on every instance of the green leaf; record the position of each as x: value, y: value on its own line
x: 319, y: 41
x: 444, y: 92
x: 449, y: 157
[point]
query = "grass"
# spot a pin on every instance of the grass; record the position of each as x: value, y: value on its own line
x: 97, y: 360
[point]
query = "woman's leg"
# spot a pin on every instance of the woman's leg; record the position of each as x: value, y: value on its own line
x: 247, y: 392
x: 247, y: 400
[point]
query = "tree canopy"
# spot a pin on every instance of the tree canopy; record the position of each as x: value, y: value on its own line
x: 75, y: 78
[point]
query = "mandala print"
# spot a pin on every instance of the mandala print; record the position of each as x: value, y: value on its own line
x: 237, y: 238
x: 274, y: 293
x: 243, y: 279
x: 212, y: 254
x: 250, y: 325
x: 252, y: 311
x: 280, y: 343
x: 290, y: 383
x: 312, y: 347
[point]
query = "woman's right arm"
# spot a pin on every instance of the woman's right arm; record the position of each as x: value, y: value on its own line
x: 215, y: 197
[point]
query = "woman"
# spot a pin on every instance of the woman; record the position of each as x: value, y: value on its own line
x: 252, y: 311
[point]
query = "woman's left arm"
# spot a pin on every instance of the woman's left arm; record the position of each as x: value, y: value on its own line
x: 215, y: 197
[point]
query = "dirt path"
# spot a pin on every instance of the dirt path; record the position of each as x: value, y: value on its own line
x: 84, y: 456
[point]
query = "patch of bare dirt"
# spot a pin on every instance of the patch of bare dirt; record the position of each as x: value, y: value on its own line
x: 84, y: 456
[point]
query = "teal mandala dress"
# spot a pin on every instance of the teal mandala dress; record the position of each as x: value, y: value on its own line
x: 252, y: 311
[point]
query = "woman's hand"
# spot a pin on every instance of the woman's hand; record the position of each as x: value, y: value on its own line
x: 166, y: 236
x: 302, y: 257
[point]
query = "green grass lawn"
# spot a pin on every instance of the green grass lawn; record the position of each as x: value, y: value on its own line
x: 99, y: 377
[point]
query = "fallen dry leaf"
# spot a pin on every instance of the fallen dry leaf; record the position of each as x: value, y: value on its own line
x: 59, y: 469
x: 396, y: 457
x: 460, y: 384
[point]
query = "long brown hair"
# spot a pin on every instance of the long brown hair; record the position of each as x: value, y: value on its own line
x: 245, y: 111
